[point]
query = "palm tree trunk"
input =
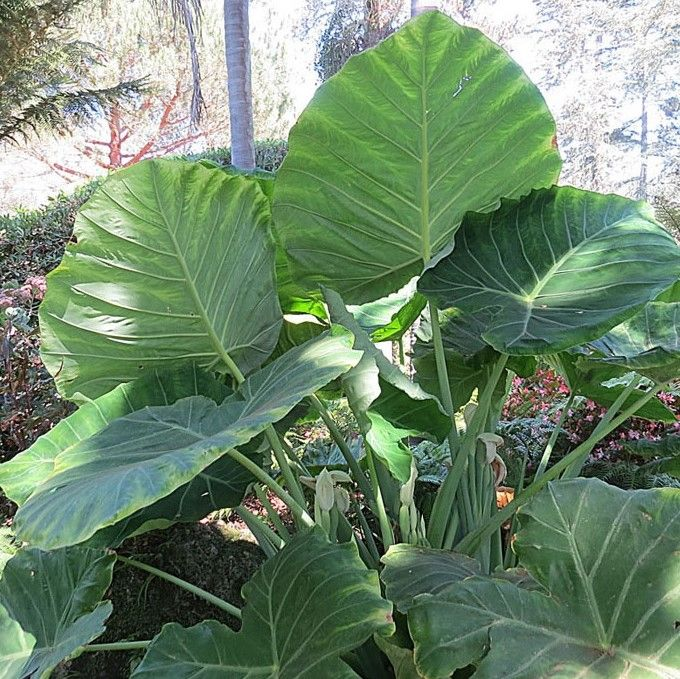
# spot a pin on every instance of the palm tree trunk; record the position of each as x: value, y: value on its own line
x: 237, y: 52
x: 420, y: 6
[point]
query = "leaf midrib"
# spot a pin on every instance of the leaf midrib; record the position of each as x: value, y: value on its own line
x: 214, y: 339
x: 424, y: 167
x: 571, y: 252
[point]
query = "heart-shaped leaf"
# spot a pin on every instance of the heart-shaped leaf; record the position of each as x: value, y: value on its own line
x: 648, y: 343
x: 151, y: 453
x: 305, y: 607
x: 608, y: 559
x: 435, y: 121
x: 173, y: 262
x: 50, y: 605
x: 21, y: 475
x: 542, y: 273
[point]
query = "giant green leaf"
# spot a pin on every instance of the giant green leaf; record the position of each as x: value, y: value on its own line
x: 398, y: 407
x: 608, y: 559
x: 390, y: 154
x: 172, y: 262
x: 50, y: 606
x: 149, y: 454
x: 648, y: 343
x: 555, y: 269
x: 24, y: 472
x: 305, y: 607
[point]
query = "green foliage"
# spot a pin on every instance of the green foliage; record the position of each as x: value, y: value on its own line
x: 171, y: 453
x: 436, y: 569
x: 32, y: 241
x: 166, y: 287
x: 403, y: 104
x: 648, y: 343
x: 176, y: 264
x: 556, y: 290
x: 20, y: 476
x: 612, y: 586
x: 45, y: 74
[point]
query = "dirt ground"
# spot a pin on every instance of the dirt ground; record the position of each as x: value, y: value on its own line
x: 210, y: 554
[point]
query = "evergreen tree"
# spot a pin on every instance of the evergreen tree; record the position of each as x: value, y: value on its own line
x: 616, y: 65
x: 45, y: 75
x: 351, y: 26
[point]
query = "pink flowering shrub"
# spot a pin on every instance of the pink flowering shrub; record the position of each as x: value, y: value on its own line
x: 538, y: 401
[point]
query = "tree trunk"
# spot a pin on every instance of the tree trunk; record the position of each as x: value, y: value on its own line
x: 237, y: 52
x: 644, y: 149
x: 420, y: 6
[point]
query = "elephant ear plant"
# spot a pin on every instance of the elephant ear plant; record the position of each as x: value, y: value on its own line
x: 199, y: 312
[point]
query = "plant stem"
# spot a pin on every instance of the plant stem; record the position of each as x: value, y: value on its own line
x: 197, y: 591
x: 117, y: 646
x: 346, y: 534
x: 270, y: 543
x: 298, y: 510
x: 385, y: 526
x: 469, y: 543
x: 447, y: 491
x: 353, y: 464
x: 554, y: 434
x: 366, y: 530
x: 510, y: 560
x: 443, y: 377
x: 451, y: 528
x: 282, y: 461
x: 272, y: 513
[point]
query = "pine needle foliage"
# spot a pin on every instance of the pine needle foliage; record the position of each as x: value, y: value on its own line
x: 46, y: 75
